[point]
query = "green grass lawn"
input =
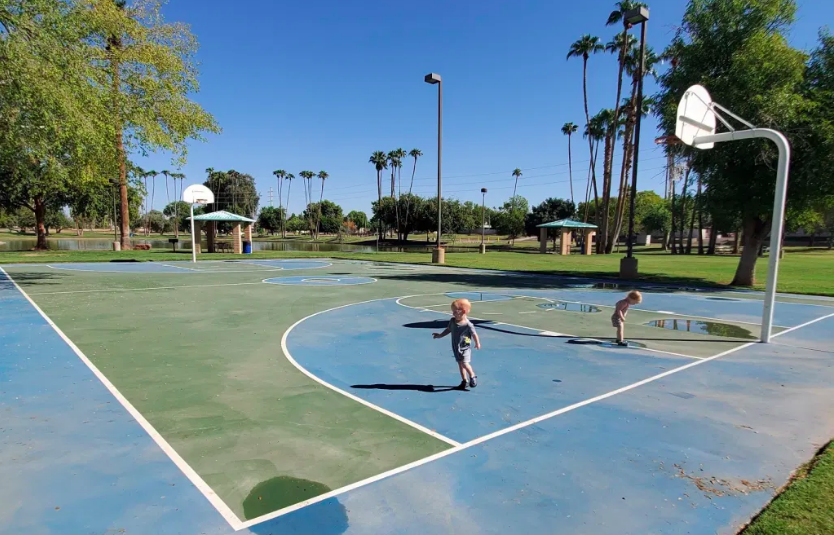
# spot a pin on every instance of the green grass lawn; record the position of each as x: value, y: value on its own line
x: 806, y: 507
x: 801, y: 271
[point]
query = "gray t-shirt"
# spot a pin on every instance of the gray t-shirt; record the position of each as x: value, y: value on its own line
x: 462, y: 337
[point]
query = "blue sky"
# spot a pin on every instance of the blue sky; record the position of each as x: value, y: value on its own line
x: 321, y: 84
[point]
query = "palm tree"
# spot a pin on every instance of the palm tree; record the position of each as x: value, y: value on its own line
x: 280, y: 175
x: 380, y: 161
x: 594, y: 132
x: 583, y: 48
x: 322, y: 176
x: 414, y: 153
x: 153, y: 174
x: 516, y: 174
x: 307, y: 176
x: 395, y: 161
x: 569, y: 129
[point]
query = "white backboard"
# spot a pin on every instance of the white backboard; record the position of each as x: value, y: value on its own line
x: 695, y: 116
x: 197, y: 194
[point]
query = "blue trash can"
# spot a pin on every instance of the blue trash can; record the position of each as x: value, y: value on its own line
x: 247, y: 247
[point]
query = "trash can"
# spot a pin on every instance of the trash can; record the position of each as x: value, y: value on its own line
x: 247, y: 247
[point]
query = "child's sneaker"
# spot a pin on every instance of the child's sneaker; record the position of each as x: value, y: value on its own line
x: 622, y: 344
x: 473, y: 381
x: 462, y: 385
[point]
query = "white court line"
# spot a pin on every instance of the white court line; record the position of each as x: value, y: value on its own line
x: 176, y: 267
x: 147, y: 289
x: 201, y: 271
x: 189, y: 472
x: 377, y: 408
x: 501, y: 432
x: 272, y: 280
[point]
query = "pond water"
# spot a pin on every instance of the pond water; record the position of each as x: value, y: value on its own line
x: 96, y: 244
x: 704, y: 327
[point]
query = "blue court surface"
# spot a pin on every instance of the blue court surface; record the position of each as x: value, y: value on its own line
x: 685, y: 433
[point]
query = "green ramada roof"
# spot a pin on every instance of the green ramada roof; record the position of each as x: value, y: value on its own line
x: 566, y: 223
x: 223, y: 215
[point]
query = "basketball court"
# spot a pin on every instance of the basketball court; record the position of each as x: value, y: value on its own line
x: 308, y: 396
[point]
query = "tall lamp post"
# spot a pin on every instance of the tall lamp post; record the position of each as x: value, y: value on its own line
x: 640, y: 15
x: 438, y: 256
x: 483, y: 219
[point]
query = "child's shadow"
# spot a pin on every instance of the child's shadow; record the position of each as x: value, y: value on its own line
x: 416, y: 388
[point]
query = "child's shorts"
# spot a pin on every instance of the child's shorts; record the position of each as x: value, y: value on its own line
x: 616, y: 322
x: 465, y: 358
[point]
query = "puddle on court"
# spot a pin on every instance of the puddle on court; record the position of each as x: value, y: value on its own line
x: 478, y: 296
x: 703, y: 327
x: 650, y: 289
x: 280, y: 492
x: 570, y: 307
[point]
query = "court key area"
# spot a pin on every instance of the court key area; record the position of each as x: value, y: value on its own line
x: 308, y: 396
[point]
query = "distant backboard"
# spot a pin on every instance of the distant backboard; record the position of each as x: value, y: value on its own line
x: 198, y: 194
x: 695, y: 117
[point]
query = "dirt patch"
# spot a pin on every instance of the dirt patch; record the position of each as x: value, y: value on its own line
x: 714, y: 486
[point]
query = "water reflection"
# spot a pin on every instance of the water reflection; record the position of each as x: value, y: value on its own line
x: 570, y: 307
x: 97, y: 244
x: 703, y: 327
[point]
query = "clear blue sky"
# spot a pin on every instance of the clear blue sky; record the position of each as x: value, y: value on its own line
x: 321, y: 84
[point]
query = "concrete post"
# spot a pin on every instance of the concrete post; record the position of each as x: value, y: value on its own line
x: 198, y: 236
x: 247, y: 236
x: 564, y: 242
x: 589, y: 240
x: 212, y: 233
x: 237, y: 246
x: 543, y: 240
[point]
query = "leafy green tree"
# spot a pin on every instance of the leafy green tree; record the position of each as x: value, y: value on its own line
x: 551, y: 209
x: 178, y: 213
x: 234, y: 192
x: 761, y: 78
x: 271, y: 219
x: 157, y: 222
x: 53, y: 131
x: 509, y: 219
x: 360, y: 219
x: 149, y: 66
x: 331, y: 215
x: 296, y: 224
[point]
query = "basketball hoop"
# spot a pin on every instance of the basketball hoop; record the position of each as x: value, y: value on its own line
x: 695, y: 126
x: 196, y: 194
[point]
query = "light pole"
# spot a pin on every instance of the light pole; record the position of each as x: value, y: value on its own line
x: 483, y: 219
x: 438, y: 256
x: 640, y: 15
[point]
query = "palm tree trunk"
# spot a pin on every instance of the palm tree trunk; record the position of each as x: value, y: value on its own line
x: 588, y: 123
x: 321, y: 198
x: 289, y: 189
x: 607, y: 154
x: 608, y: 160
x: 570, y: 170
x: 410, y: 186
x: 379, y: 206
x: 683, y: 210
x: 699, y: 204
x: 672, y: 236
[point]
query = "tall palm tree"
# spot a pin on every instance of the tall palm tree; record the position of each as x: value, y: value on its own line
x: 610, y: 125
x: 280, y: 175
x: 167, y: 173
x: 153, y: 174
x: 414, y: 153
x: 395, y: 162
x: 380, y: 161
x: 583, y: 48
x: 322, y: 176
x: 516, y: 174
x: 307, y: 176
x: 594, y: 131
x: 569, y: 129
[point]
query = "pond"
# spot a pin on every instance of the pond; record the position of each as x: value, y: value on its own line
x: 97, y: 244
x: 704, y: 327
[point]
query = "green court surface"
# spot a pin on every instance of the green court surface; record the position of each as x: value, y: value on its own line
x: 200, y: 350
